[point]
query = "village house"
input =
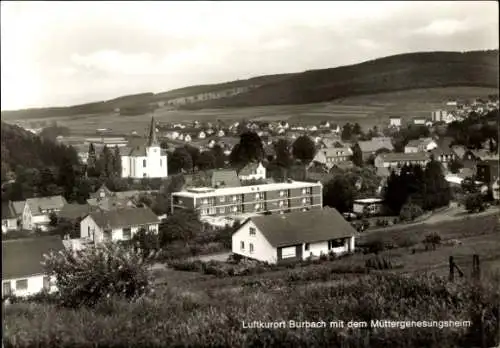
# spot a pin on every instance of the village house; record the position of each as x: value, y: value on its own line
x: 221, y: 133
x: 370, y: 147
x: 444, y: 155
x: 117, y: 225
x: 439, y: 115
x: 202, y: 135
x: 181, y: 137
x: 37, y: 211
x: 324, y: 125
x: 9, y: 217
x: 397, y: 160
x: 370, y: 206
x: 487, y: 171
x: 395, y: 121
x: 187, y: 138
x: 420, y: 145
x: 294, y: 237
x: 332, y: 156
x: 252, y: 171
x: 146, y: 161
x: 495, y: 188
x: 215, y: 178
x: 22, y: 270
x: 419, y: 121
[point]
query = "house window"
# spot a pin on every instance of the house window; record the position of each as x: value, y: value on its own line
x: 282, y: 193
x: 221, y: 210
x: 144, y: 163
x: 242, y: 245
x: 336, y: 243
x: 306, y: 247
x: 288, y: 252
x: 235, y: 198
x: 304, y: 191
x: 107, y: 235
x: 252, y: 231
x: 251, y: 248
x: 127, y: 233
x: 22, y: 284
x: 223, y: 199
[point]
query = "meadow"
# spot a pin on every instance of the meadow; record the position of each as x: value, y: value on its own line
x: 367, y: 110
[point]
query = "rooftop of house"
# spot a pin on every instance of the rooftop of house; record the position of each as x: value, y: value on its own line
x: 18, y: 206
x: 250, y: 168
x: 376, y: 144
x: 75, y: 211
x: 125, y: 217
x: 37, y: 205
x: 109, y: 203
x: 303, y: 227
x: 210, y: 192
x: 213, y: 178
x: 22, y: 257
x: 336, y: 151
x: 393, y: 156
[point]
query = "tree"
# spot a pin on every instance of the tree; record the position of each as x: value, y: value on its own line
x: 182, y: 225
x: 346, y: 133
x: 117, y: 162
x: 249, y: 149
x: 356, y: 129
x: 339, y: 194
x: 220, y: 156
x: 106, y: 162
x: 162, y: 203
x: 304, y: 149
x: 474, y: 202
x: 437, y: 191
x: 283, y: 156
x: 92, y: 274
x: 455, y: 166
x: 180, y: 161
x: 146, y: 242
x: 206, y: 160
x: 194, y: 152
x: 92, y: 162
x: 410, y: 212
x: 357, y: 155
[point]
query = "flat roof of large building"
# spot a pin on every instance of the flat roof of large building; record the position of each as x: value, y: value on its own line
x: 368, y: 200
x: 208, y: 192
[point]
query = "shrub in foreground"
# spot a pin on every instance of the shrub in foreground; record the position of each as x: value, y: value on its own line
x: 87, y: 276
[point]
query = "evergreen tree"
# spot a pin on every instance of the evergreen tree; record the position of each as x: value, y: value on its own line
x: 117, y: 162
x: 339, y: 194
x: 357, y: 155
x: 220, y: 156
x: 106, y: 162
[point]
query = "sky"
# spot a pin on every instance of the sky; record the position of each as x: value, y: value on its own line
x: 65, y: 53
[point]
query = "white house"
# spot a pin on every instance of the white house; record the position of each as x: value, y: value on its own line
x: 36, y: 213
x: 419, y: 121
x: 421, y: 145
x: 9, y: 218
x: 255, y: 171
x: 148, y: 161
x: 187, y: 138
x: 372, y: 206
x: 294, y: 236
x: 22, y: 271
x: 115, y: 225
x: 395, y: 121
x: 221, y: 133
x: 202, y: 135
x: 495, y: 188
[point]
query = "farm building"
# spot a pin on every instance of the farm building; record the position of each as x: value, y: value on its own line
x: 36, y: 213
x: 22, y: 271
x: 251, y: 171
x: 294, y: 236
x: 372, y: 206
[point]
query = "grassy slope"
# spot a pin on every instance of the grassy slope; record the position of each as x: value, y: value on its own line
x: 400, y: 72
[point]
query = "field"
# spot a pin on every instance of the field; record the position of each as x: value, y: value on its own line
x: 367, y: 110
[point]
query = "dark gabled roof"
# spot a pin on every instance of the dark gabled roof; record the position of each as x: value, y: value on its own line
x: 376, y: 144
x: 225, y: 178
x: 416, y: 156
x: 8, y: 211
x: 75, y: 211
x: 19, y: 207
x: 303, y: 227
x: 38, y: 204
x: 124, y: 217
x: 22, y: 257
x: 110, y: 203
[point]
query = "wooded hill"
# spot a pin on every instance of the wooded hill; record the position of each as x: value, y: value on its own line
x: 394, y: 73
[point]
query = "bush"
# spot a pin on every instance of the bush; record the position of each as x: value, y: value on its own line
x: 379, y: 263
x: 410, y: 212
x: 375, y: 246
x: 85, y: 277
x: 432, y: 239
x: 474, y: 203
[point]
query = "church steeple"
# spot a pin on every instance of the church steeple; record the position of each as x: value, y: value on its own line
x: 152, y: 141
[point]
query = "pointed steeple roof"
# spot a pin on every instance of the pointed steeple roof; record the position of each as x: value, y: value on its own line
x: 152, y: 141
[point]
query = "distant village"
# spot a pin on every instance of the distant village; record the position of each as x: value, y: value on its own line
x: 250, y: 194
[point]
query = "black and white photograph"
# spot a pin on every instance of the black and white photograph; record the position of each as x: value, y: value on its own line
x: 235, y: 174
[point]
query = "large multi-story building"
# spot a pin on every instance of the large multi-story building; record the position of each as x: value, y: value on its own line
x: 251, y: 200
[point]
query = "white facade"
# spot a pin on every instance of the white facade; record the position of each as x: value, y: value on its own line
x: 89, y: 229
x: 262, y: 250
x: 9, y: 225
x: 395, y: 121
x: 28, y: 286
x: 372, y: 205
x: 249, y: 241
x: 153, y: 165
x: 30, y: 221
x: 258, y: 174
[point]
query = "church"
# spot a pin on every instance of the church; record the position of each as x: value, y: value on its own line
x: 146, y: 161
